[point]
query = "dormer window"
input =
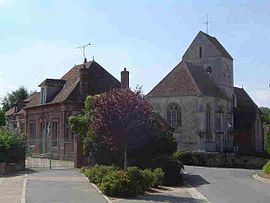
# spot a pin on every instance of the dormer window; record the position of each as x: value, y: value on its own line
x: 200, y: 52
x: 43, y: 95
x: 49, y: 89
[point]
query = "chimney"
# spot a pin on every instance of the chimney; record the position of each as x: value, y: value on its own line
x: 84, y: 82
x: 125, y: 78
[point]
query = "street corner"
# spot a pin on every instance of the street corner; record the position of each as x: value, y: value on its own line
x: 262, y: 177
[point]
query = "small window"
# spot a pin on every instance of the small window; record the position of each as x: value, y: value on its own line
x: 200, y: 49
x: 174, y: 115
x: 32, y: 133
x: 208, y: 123
x: 209, y: 69
x: 54, y: 134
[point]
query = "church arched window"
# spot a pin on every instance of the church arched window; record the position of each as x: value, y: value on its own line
x: 200, y: 52
x: 208, y: 122
x: 174, y: 115
x: 219, y: 119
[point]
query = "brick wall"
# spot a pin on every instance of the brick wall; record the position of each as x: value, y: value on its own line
x: 44, y: 116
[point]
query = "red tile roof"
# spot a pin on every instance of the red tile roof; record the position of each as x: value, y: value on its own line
x: 186, y: 79
x: 100, y: 81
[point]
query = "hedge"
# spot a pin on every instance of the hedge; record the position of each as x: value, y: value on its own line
x: 114, y: 182
x: 12, y: 147
x: 266, y: 167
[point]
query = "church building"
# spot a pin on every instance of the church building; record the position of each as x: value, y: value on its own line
x: 200, y: 102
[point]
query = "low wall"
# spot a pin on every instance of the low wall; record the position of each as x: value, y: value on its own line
x: 6, y: 168
x: 224, y: 160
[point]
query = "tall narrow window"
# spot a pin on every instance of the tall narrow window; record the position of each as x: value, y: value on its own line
x: 54, y: 134
x: 174, y: 115
x: 208, y: 122
x: 32, y: 133
x: 200, y: 50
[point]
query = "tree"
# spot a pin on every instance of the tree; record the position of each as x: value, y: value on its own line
x: 15, y: 96
x: 2, y: 118
x: 122, y: 118
x: 265, y: 114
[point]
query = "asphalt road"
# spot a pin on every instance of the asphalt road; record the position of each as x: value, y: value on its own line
x: 220, y: 185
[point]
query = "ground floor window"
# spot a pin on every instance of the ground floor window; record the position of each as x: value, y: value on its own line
x: 54, y: 134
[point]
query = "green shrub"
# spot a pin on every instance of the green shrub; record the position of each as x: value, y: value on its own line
x: 266, y: 167
x: 118, y: 184
x: 137, y: 179
x: 97, y: 172
x: 178, y: 155
x: 190, y: 158
x: 172, y: 169
x: 268, y: 143
x: 12, y: 147
x: 158, y: 177
x: 149, y: 178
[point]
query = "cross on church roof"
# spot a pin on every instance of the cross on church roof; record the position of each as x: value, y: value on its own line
x: 207, y: 22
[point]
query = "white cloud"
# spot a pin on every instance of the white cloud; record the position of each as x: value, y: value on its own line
x: 5, y: 3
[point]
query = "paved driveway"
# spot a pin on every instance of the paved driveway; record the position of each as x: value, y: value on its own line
x: 61, y: 186
x: 220, y: 185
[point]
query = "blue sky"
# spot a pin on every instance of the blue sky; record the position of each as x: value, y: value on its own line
x: 38, y: 39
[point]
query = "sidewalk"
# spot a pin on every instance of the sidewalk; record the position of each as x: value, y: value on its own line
x: 168, y: 194
x: 69, y: 186
x: 61, y: 186
x: 43, y: 186
x: 11, y: 188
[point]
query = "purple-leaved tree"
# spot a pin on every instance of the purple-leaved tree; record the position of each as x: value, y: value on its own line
x: 122, y: 117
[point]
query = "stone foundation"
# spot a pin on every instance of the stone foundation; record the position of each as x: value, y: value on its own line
x: 224, y: 160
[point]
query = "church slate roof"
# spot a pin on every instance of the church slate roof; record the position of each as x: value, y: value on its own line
x: 186, y: 79
x: 218, y: 45
x: 243, y: 99
x: 99, y: 81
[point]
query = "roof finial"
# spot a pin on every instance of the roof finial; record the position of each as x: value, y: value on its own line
x: 93, y: 57
x: 207, y: 22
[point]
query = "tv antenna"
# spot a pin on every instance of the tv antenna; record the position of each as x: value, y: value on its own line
x: 82, y: 47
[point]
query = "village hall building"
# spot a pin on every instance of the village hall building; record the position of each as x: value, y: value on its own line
x: 43, y: 117
x: 199, y: 100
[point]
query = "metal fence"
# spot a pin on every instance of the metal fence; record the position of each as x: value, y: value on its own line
x: 53, y: 158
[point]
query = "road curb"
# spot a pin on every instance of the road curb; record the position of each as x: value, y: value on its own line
x: 98, y: 190
x: 259, y: 178
x: 195, y: 194
x: 23, y: 199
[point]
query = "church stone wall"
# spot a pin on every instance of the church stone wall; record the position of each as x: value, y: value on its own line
x: 222, y: 68
x: 190, y: 136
